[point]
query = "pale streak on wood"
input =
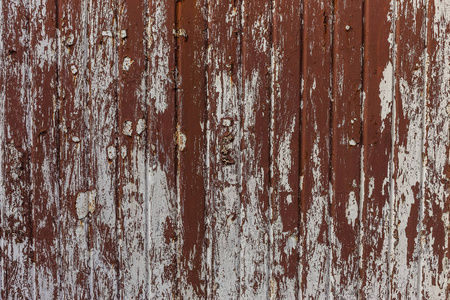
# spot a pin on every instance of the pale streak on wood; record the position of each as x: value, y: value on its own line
x: 407, y: 157
x: 223, y: 151
x: 316, y: 190
x: 74, y: 143
x: 162, y: 210
x: 254, y: 267
x: 132, y: 169
x: 16, y: 209
x: 44, y: 151
x: 345, y: 146
x: 102, y: 113
x: 376, y: 169
x: 285, y: 152
x: 435, y: 271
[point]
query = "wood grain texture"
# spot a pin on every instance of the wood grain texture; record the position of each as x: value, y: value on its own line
x: 285, y: 147
x: 315, y: 150
x: 224, y: 149
x: 73, y: 151
x: 409, y: 85
x: 44, y: 160
x: 217, y: 149
x: 435, y: 271
x: 17, y: 224
x: 255, y: 121
x: 345, y: 150
x: 190, y: 138
x: 131, y: 150
x: 379, y: 47
x: 102, y: 114
x: 162, y: 159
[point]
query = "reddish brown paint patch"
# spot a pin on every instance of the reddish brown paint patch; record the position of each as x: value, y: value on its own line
x: 191, y: 105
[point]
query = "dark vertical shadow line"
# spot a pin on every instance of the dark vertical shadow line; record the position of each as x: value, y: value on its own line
x: 362, y: 177
x: 423, y: 142
x: 57, y: 109
x: 392, y: 54
x: 116, y: 40
x: 330, y: 149
x: 176, y: 154
x: 300, y: 147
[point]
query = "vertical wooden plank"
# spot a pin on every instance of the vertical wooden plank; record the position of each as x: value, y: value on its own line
x: 436, y: 225
x: 132, y: 117
x: 224, y: 148
x: 346, y: 148
x: 315, y: 152
x: 255, y: 143
x: 407, y: 168
x: 16, y: 211
x: 102, y: 110
x: 379, y: 18
x: 74, y: 144
x: 285, y: 145
x: 44, y: 147
x: 162, y: 162
x: 191, y: 26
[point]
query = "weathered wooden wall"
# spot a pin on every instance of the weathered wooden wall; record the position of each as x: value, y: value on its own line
x: 212, y: 149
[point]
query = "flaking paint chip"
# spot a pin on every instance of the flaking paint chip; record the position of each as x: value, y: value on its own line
x: 107, y: 33
x: 112, y: 152
x: 127, y: 128
x: 127, y: 62
x: 73, y: 69
x: 123, y: 151
x: 227, y: 122
x: 180, y: 139
x: 75, y: 139
x: 140, y: 127
x: 70, y: 39
x: 85, y: 203
x: 180, y: 32
x: 352, y: 143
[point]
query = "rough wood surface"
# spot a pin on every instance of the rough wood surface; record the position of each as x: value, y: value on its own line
x: 162, y: 162
x: 131, y: 149
x: 16, y: 207
x: 44, y: 136
x: 73, y: 152
x: 255, y: 147
x: 376, y: 148
x: 285, y: 147
x: 102, y: 118
x: 224, y: 149
x: 315, y: 247
x: 223, y: 152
